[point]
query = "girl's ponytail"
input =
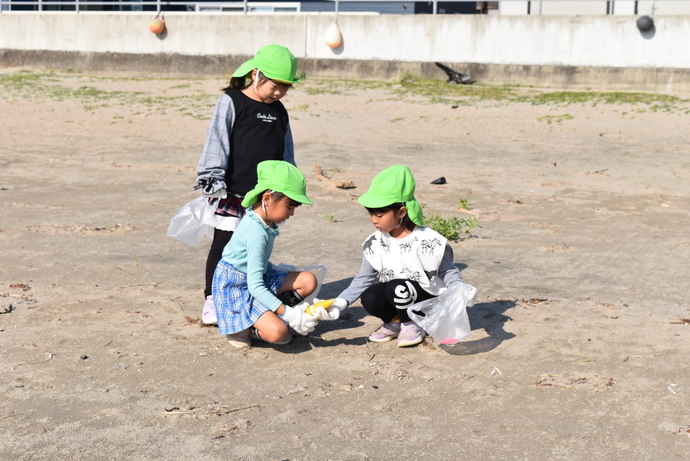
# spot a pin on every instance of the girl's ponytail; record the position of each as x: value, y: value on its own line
x: 240, y: 83
x: 237, y: 83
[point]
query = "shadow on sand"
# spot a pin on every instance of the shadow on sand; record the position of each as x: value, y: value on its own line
x: 487, y: 316
x: 490, y: 317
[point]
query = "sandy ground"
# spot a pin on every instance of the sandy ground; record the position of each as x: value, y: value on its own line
x: 580, y: 338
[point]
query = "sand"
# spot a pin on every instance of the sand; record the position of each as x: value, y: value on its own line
x: 580, y: 336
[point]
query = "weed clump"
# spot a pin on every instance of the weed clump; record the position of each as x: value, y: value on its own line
x: 450, y: 228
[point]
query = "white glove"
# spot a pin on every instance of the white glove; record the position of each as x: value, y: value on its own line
x: 220, y: 193
x: 340, y: 303
x: 300, y: 321
x: 213, y: 188
x: 332, y: 313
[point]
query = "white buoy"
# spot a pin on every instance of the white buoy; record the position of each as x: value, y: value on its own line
x: 333, y: 36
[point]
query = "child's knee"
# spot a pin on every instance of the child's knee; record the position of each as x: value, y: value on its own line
x: 273, y: 332
x: 309, y: 283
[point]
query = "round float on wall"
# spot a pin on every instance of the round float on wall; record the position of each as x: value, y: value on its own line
x: 157, y: 26
x: 333, y: 36
x: 645, y: 23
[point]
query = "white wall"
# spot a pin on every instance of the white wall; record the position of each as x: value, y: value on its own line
x: 600, y: 41
x: 576, y: 41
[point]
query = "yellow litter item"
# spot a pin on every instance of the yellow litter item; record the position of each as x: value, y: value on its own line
x: 326, y: 303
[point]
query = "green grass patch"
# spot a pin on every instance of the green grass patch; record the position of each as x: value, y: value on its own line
x: 549, y: 119
x: 62, y: 86
x: 462, y: 204
x: 450, y: 228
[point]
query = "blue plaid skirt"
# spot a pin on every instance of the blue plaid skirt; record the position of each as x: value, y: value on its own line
x: 236, y: 308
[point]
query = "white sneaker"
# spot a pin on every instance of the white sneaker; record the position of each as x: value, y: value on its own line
x: 240, y: 339
x: 208, y: 315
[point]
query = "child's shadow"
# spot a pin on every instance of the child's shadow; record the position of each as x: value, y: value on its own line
x: 349, y: 318
x: 490, y: 317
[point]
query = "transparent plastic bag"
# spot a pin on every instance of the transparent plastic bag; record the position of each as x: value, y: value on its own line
x: 445, y: 317
x: 319, y: 271
x: 189, y: 224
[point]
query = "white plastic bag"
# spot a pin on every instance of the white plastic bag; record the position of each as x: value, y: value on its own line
x: 318, y: 271
x: 189, y: 224
x: 445, y: 317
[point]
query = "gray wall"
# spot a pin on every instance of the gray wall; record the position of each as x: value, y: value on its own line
x: 603, y: 52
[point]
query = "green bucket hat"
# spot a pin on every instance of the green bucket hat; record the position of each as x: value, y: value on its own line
x: 274, y: 61
x: 395, y: 184
x: 278, y: 176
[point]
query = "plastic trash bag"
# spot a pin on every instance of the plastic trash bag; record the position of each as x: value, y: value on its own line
x: 189, y: 224
x: 445, y: 317
x: 318, y: 271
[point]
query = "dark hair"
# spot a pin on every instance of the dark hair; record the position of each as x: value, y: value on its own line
x: 237, y: 83
x: 240, y: 83
x: 407, y: 222
x: 276, y: 196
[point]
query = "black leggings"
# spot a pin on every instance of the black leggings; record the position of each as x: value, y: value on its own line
x: 386, y: 300
x: 220, y: 239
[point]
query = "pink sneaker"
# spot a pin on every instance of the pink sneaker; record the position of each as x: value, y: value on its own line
x: 387, y: 332
x: 410, y: 334
x: 208, y: 315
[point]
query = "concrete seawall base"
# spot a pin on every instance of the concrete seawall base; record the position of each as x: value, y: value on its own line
x: 665, y: 80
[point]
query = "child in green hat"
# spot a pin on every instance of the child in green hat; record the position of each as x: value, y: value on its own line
x: 403, y: 262
x: 251, y: 297
x: 249, y: 124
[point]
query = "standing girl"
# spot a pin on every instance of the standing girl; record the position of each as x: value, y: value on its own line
x: 247, y: 290
x: 249, y: 124
x: 403, y: 262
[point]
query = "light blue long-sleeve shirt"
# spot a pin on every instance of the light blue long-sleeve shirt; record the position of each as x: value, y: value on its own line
x: 248, y: 251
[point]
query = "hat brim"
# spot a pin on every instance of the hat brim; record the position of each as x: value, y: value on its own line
x: 303, y: 199
x: 369, y: 201
x: 244, y: 69
x: 253, y: 195
x: 249, y: 66
x: 287, y: 82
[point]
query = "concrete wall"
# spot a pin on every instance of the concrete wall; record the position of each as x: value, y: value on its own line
x: 606, y: 52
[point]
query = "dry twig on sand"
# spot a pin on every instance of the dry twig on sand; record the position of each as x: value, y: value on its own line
x: 682, y: 322
x: 34, y: 363
x: 339, y: 184
x: 199, y: 413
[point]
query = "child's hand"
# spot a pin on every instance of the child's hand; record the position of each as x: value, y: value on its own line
x: 340, y: 303
x: 300, y: 321
x: 214, y: 189
x: 469, y: 292
x: 332, y: 313
x: 220, y: 193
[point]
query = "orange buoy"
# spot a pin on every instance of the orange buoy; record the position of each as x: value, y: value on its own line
x: 157, y: 26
